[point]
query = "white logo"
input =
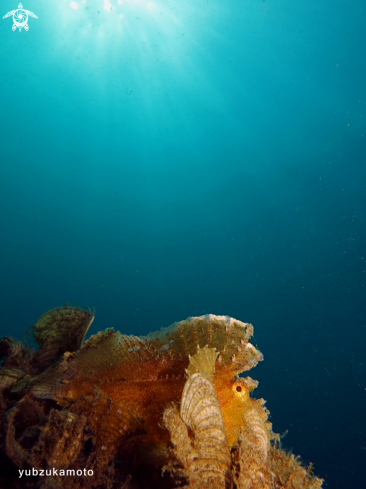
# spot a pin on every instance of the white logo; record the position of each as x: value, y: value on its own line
x: 20, y: 17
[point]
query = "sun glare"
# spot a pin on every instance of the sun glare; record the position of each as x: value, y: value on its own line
x: 107, y: 5
x: 115, y: 5
x: 151, y: 6
x: 140, y: 20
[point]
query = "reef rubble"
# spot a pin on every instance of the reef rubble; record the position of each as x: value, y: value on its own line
x: 170, y: 409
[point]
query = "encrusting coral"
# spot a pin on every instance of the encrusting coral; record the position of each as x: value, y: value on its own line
x: 104, y: 414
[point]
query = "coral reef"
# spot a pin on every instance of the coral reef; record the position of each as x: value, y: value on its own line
x: 159, y: 411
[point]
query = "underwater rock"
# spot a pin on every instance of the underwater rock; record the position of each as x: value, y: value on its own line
x: 105, y: 407
x: 22, y: 424
x: 289, y: 473
x: 9, y: 376
x: 17, y: 355
x: 10, y: 347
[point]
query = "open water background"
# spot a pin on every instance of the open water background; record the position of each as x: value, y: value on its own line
x: 175, y: 158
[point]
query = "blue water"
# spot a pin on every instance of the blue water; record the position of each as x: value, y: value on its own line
x: 175, y: 158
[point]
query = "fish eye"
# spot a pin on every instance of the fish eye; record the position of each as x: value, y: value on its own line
x: 239, y: 390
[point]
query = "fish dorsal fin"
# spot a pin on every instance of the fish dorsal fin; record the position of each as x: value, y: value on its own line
x: 203, y: 362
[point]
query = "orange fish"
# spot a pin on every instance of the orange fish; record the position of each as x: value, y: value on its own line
x: 124, y: 383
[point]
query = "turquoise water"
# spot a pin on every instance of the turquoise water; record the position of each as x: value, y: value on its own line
x: 169, y: 159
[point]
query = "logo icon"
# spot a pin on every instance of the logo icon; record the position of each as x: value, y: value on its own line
x: 20, y: 17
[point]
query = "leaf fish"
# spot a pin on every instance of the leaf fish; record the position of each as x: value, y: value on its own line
x: 142, y: 375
